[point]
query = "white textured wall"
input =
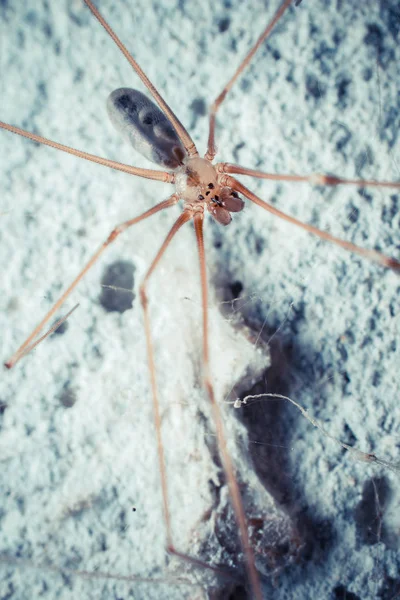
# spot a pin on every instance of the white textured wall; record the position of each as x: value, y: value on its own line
x: 70, y: 476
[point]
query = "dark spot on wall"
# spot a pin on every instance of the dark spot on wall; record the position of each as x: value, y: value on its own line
x: 9, y: 592
x: 236, y: 289
x: 338, y: 37
x: 375, y: 38
x: 389, y: 130
x: 340, y: 271
x: 198, y: 106
x: 122, y: 525
x: 341, y: 593
x: 365, y: 196
x: 342, y: 87
x: 68, y: 396
x: 276, y: 55
x: 102, y: 542
x: 389, y: 213
x: 42, y: 89
x: 372, y: 324
x: 259, y: 244
x: 61, y: 329
x: 348, y: 436
x: 223, y: 24
x: 353, y: 213
x: 390, y: 14
x: 342, y: 350
x: 314, y: 87
x: 323, y: 57
x: 78, y: 14
x: 3, y: 408
x: 367, y: 74
x: 31, y: 18
x: 21, y: 38
x: 362, y: 159
x: 117, y: 285
x: 236, y: 150
x: 393, y: 306
x: 346, y: 379
x: 78, y: 75
x: 367, y: 341
x: 350, y: 339
x: 340, y: 136
x: 245, y: 84
x: 376, y: 378
x: 47, y: 30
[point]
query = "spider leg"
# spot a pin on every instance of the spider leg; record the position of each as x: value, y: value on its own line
x: 314, y: 178
x: 24, y: 348
x: 180, y: 129
x: 146, y: 173
x: 211, y: 148
x: 218, y: 421
x: 372, y: 255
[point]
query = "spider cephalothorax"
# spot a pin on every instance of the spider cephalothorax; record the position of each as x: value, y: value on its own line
x: 198, y: 183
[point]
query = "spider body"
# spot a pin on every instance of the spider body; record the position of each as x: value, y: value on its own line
x: 268, y: 268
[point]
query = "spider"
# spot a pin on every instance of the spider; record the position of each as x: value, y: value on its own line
x: 218, y: 192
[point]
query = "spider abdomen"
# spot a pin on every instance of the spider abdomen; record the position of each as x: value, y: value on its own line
x: 146, y: 127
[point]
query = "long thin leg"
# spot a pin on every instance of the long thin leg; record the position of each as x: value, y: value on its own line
x: 184, y: 218
x: 113, y: 235
x: 52, y: 329
x: 146, y: 173
x: 372, y: 255
x: 180, y: 129
x: 314, y: 178
x: 226, y: 459
x: 83, y: 574
x: 211, y: 149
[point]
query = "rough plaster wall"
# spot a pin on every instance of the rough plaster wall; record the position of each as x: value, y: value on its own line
x: 322, y: 96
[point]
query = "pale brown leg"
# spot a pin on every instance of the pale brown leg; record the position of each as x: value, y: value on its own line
x: 226, y: 459
x: 52, y: 329
x: 146, y: 173
x: 184, y: 218
x: 180, y: 129
x: 314, y: 178
x: 211, y: 149
x: 113, y: 235
x: 372, y: 255
x: 83, y: 574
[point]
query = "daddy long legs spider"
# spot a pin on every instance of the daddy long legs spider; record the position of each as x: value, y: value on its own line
x: 313, y: 87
